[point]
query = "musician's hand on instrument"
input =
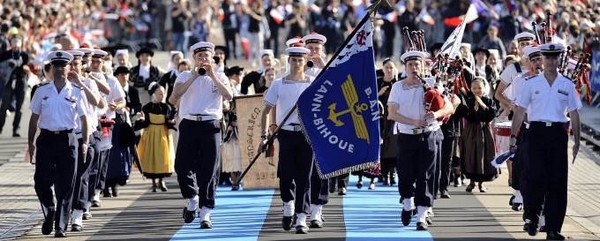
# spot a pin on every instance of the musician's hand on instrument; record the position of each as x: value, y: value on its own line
x: 420, y: 123
x: 431, y: 115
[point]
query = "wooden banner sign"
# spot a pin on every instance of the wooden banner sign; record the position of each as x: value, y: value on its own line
x: 264, y: 172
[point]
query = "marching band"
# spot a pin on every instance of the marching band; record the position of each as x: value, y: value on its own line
x: 441, y: 113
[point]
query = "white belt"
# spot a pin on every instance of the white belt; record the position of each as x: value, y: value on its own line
x: 294, y: 128
x: 199, y: 117
x: 417, y: 131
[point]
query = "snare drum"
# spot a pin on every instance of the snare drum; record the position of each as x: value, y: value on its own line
x: 503, y: 128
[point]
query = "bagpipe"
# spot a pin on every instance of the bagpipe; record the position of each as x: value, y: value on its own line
x: 571, y: 66
x: 433, y: 99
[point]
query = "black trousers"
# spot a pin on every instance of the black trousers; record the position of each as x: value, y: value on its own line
x: 417, y: 159
x: 230, y: 42
x: 448, y: 145
x: 97, y: 173
x: 197, y: 160
x: 546, y: 174
x: 520, y: 158
x: 342, y: 180
x: 294, y: 169
x: 319, y: 189
x: 56, y: 164
x: 18, y: 93
x: 81, y: 189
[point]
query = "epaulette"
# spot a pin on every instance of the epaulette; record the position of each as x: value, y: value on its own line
x: 42, y: 84
x: 531, y: 77
x: 77, y: 86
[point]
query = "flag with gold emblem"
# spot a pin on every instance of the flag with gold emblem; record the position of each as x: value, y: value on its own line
x: 340, y: 112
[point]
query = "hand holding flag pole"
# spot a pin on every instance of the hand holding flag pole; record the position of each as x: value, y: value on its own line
x: 372, y: 9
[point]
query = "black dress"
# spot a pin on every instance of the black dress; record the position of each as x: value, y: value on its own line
x: 478, y: 148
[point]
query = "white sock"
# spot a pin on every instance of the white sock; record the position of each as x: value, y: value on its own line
x: 288, y: 209
x: 408, y: 204
x: 96, y: 196
x: 430, y: 212
x: 421, y: 214
x: 518, y: 197
x: 316, y: 212
x: 542, y: 221
x: 301, y: 220
x: 77, y: 217
x: 192, y: 203
x: 205, y: 214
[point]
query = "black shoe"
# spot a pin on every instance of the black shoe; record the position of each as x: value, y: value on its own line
x: 429, y: 220
x: 525, y: 227
x: 553, y: 235
x: 406, y: 216
x: 286, y: 223
x: 532, y: 228
x: 76, y: 228
x: 445, y: 194
x: 59, y: 233
x: 188, y: 216
x: 359, y: 184
x: 106, y: 192
x: 316, y: 224
x: 543, y: 229
x: 235, y: 188
x: 163, y: 186
x: 331, y: 185
x: 517, y: 206
x: 16, y: 134
x: 48, y: 222
x: 470, y: 187
x: 114, y: 191
x: 510, y: 201
x: 301, y: 229
x: 422, y: 226
x: 342, y: 191
x: 154, y: 187
x: 96, y: 204
x: 87, y: 216
x: 206, y: 224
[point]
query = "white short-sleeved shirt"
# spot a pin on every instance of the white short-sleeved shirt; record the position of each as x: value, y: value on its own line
x: 410, y: 103
x: 202, y: 97
x: 91, y: 110
x: 284, y: 94
x: 58, y: 111
x: 510, y: 73
x: 548, y: 103
x: 116, y: 94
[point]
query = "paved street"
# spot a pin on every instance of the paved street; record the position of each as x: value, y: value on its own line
x: 139, y: 214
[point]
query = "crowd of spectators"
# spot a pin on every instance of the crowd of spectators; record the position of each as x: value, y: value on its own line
x: 248, y: 26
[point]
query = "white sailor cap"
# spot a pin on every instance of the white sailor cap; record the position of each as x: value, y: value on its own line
x: 122, y: 52
x: 98, y: 53
x: 86, y: 50
x: 173, y: 53
x: 267, y: 52
x: 295, y: 42
x: 297, y: 51
x: 59, y: 56
x: 524, y: 36
x: 76, y: 53
x: 552, y: 49
x: 413, y: 55
x: 531, y: 51
x: 466, y: 45
x: 314, y: 38
x: 202, y: 46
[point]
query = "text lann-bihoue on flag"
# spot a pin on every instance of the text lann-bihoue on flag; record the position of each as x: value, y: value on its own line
x: 340, y: 112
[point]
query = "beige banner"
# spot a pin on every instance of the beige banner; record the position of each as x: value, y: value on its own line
x: 263, y: 173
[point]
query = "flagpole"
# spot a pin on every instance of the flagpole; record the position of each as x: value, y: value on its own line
x: 271, y: 138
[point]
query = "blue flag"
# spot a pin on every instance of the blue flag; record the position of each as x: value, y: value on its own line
x: 340, y: 112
